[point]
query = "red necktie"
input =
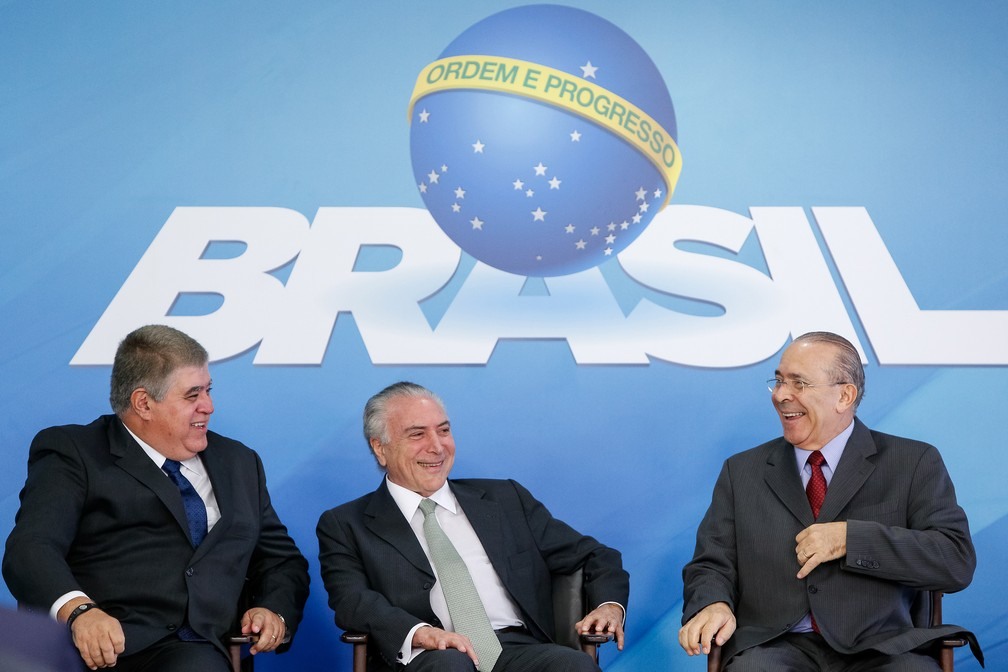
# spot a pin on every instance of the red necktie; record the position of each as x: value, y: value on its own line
x: 816, y: 493
x: 816, y: 488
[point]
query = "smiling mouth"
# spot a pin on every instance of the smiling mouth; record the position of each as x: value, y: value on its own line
x: 429, y: 465
x: 199, y: 425
x: 791, y: 416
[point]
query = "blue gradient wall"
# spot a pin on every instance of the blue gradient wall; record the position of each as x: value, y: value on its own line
x: 114, y: 115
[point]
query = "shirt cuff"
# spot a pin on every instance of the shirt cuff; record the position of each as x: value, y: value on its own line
x: 63, y: 599
x: 407, y: 652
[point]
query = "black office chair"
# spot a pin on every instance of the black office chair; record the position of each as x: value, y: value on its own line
x: 926, y: 612
x: 568, y: 608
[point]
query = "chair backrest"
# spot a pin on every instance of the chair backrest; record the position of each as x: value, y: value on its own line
x: 568, y: 607
x: 924, y: 609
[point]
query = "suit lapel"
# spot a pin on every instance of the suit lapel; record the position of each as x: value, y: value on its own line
x: 850, y: 475
x: 487, y: 521
x: 132, y: 459
x: 222, y: 480
x: 384, y: 518
x: 782, y: 477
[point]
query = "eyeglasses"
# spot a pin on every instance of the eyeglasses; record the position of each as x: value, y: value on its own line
x: 798, y: 385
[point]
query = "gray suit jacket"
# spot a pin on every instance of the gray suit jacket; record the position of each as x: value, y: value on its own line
x: 97, y: 515
x: 905, y: 532
x: 379, y: 579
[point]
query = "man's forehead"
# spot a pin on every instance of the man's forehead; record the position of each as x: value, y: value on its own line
x: 417, y: 412
x: 191, y: 378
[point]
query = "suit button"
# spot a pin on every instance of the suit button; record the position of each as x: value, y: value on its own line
x: 428, y: 585
x: 875, y: 565
x: 190, y: 571
x: 813, y: 590
x: 171, y: 627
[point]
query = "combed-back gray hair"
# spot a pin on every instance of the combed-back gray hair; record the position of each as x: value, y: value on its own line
x: 376, y: 408
x: 847, y: 367
x: 147, y: 358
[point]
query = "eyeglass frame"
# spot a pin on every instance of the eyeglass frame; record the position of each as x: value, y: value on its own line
x: 798, y: 385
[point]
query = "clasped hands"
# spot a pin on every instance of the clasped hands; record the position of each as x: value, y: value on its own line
x: 715, y: 623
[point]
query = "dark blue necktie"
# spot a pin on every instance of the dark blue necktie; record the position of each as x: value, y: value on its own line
x: 195, y: 509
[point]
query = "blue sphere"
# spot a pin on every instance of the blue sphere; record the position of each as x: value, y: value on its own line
x: 532, y: 188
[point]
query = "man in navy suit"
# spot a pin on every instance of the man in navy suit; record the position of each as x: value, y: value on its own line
x: 780, y: 588
x: 377, y: 568
x: 106, y: 541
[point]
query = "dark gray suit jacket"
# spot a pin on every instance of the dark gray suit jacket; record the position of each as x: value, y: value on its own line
x: 97, y: 515
x: 379, y: 579
x: 905, y: 532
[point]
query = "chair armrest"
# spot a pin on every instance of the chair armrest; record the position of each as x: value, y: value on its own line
x: 354, y: 637
x: 250, y: 639
x: 593, y: 638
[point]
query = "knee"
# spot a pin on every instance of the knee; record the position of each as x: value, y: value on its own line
x: 579, y: 662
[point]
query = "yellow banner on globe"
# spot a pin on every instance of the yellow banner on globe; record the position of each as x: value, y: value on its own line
x: 560, y: 89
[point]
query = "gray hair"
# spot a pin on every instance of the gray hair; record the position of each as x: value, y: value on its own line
x: 376, y: 408
x: 147, y: 358
x: 847, y: 367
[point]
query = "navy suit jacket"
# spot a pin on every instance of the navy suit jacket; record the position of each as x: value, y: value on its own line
x: 905, y: 532
x: 379, y: 579
x: 97, y: 515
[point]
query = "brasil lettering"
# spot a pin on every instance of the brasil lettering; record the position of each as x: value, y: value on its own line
x: 668, y: 298
x: 560, y: 89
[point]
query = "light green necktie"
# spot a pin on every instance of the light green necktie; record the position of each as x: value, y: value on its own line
x: 467, y: 612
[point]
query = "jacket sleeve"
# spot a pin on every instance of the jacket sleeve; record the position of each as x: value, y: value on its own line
x: 565, y: 550
x: 358, y: 604
x: 35, y: 563
x: 925, y: 542
x: 278, y: 573
x: 712, y: 575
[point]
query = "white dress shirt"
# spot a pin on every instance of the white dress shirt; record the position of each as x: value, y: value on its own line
x: 501, y: 610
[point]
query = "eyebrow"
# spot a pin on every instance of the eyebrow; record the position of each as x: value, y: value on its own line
x: 198, y: 388
x: 407, y: 430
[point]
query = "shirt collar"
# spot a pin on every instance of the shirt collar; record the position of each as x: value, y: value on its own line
x: 832, y: 451
x: 409, y: 501
x: 193, y: 464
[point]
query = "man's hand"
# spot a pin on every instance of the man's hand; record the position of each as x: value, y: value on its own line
x: 98, y: 637
x: 604, y: 620
x: 821, y: 543
x: 431, y: 638
x: 715, y: 621
x: 266, y: 625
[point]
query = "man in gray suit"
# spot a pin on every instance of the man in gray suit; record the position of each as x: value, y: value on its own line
x: 379, y: 569
x: 780, y: 588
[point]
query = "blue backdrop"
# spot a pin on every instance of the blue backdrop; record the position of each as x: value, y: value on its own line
x: 843, y: 167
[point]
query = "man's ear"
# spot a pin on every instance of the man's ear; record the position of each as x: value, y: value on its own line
x: 379, y: 451
x: 848, y: 395
x: 140, y: 403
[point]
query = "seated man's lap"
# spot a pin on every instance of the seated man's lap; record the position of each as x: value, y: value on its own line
x: 524, y: 653
x: 174, y: 655
x: 810, y: 652
x: 521, y: 653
